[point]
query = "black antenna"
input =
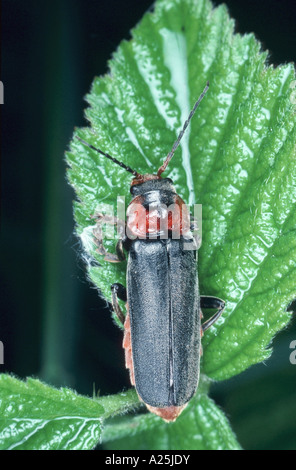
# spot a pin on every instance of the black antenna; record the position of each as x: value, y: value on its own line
x: 127, y: 168
x: 186, y: 123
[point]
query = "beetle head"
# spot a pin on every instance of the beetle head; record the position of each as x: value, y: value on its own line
x: 151, y: 184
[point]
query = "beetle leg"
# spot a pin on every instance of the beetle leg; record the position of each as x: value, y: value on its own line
x: 201, y: 332
x: 119, y: 250
x: 118, y: 292
x: 211, y: 302
x: 102, y: 219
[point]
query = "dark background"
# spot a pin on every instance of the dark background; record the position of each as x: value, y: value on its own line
x: 52, y: 322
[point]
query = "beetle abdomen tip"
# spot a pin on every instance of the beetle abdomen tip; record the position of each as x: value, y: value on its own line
x: 169, y: 413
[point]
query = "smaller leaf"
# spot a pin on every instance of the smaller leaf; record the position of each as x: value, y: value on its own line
x: 201, y: 426
x: 34, y: 416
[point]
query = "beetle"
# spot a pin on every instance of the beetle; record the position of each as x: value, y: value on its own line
x: 162, y: 327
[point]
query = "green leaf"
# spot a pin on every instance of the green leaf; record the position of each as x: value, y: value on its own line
x: 237, y: 160
x: 201, y: 426
x: 34, y: 416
